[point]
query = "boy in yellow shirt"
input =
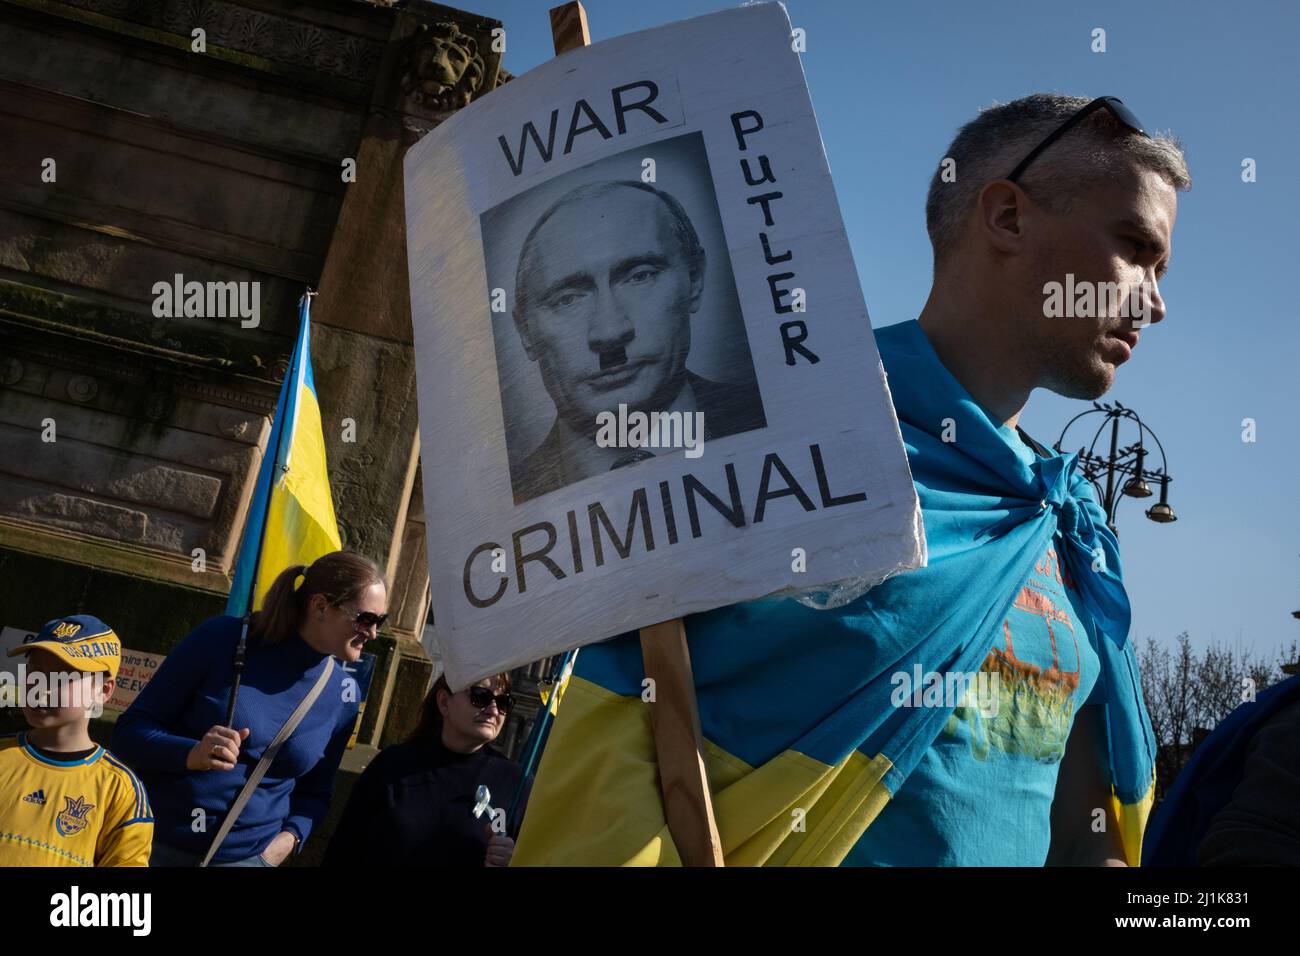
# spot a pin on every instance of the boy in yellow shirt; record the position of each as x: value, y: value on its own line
x: 64, y: 800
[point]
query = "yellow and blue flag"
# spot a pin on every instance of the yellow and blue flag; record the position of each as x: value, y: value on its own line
x: 291, y: 520
x: 551, y: 690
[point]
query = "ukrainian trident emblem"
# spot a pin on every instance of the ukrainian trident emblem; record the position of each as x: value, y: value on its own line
x: 72, y: 819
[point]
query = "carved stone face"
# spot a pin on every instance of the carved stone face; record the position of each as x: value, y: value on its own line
x: 440, y: 63
x: 443, y: 69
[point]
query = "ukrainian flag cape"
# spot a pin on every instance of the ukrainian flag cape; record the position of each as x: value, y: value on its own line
x: 291, y: 518
x: 795, y: 703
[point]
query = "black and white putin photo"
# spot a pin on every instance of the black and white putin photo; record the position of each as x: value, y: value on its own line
x: 620, y: 306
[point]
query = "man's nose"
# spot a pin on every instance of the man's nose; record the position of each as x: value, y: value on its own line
x: 1154, y: 301
x: 609, y: 326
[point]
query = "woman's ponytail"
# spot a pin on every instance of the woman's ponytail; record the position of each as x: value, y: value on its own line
x: 278, y: 618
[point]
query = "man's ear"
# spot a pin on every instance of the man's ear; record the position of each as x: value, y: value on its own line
x: 1002, y: 208
x: 444, y: 702
x: 697, y: 283
x: 107, y: 686
x: 525, y: 333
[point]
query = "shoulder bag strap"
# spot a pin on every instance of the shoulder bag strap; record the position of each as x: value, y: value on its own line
x: 262, y: 765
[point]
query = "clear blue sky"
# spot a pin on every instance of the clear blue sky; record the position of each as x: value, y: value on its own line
x: 892, y: 82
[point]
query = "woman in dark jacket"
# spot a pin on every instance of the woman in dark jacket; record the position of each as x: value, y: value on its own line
x: 193, y: 766
x: 414, y: 804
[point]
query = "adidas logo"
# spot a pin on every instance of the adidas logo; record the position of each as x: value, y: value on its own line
x: 36, y: 796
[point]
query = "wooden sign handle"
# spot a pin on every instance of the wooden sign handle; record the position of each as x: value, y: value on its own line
x: 674, y: 715
x: 569, y: 27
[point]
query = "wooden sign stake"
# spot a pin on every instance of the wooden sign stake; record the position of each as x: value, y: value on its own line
x: 675, y: 719
x: 569, y: 27
x: 674, y: 715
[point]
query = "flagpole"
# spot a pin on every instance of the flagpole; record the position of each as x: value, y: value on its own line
x: 538, y: 734
x: 304, y: 313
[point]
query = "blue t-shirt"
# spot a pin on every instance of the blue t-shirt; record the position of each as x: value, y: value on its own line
x: 982, y: 794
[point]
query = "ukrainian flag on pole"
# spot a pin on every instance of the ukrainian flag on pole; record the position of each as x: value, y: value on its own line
x: 291, y: 519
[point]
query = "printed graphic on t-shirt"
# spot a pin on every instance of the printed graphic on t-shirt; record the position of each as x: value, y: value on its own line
x: 73, y: 818
x: 1032, y: 674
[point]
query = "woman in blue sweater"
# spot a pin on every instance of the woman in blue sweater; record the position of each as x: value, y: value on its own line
x: 193, y: 767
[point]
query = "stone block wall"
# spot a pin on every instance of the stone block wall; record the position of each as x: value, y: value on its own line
x: 220, y: 165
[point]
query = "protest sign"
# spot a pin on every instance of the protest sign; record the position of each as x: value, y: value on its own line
x: 10, y: 638
x: 647, y: 381
x: 133, y: 675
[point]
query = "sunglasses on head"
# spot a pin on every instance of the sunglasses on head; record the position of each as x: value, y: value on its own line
x: 480, y: 697
x: 1112, y: 103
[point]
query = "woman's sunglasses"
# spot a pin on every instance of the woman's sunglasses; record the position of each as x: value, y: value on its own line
x: 480, y: 697
x: 365, y: 620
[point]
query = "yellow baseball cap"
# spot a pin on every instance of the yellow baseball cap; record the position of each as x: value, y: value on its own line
x: 82, y: 642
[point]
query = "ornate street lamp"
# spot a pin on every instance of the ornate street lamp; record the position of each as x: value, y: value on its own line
x: 1128, y: 461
